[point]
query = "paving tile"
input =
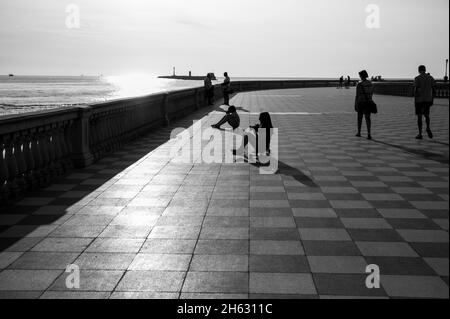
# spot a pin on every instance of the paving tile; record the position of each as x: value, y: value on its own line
x: 230, y: 211
x: 402, y: 213
x: 358, y: 213
x: 222, y: 263
x: 270, y: 212
x: 350, y: 204
x: 168, y: 246
x: 27, y: 280
x: 104, y: 261
x: 226, y: 221
x: 161, y: 262
x: 378, y: 235
x: 72, y: 231
x: 273, y: 283
x: 20, y: 294
x: 314, y: 212
x: 7, y: 258
x: 439, y: 265
x: 125, y: 231
x: 143, y: 295
x: 276, y: 234
x: 270, y: 247
x: 216, y: 282
x: 8, y: 220
x: 415, y: 287
x: 330, y: 248
x: 417, y: 224
x: 324, y: 234
x: 437, y: 250
x: 272, y: 222
x: 62, y: 245
x: 222, y: 247
x: 91, y: 280
x: 187, y: 221
x: 151, y: 281
x: 89, y: 220
x: 19, y: 231
x: 337, y: 264
x: 215, y: 296
x: 402, y: 266
x: 345, y: 285
x: 311, y: 222
x: 278, y: 264
x: 424, y: 236
x: 387, y: 249
x: 365, y: 223
x: 115, y: 245
x: 75, y: 295
x: 212, y: 233
x: 44, y: 261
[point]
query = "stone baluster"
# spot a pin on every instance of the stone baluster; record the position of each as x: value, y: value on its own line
x: 30, y: 178
x: 4, y: 174
x: 65, y: 155
x: 11, y: 163
x: 38, y: 174
x: 18, y: 141
x: 57, y: 149
x: 43, y: 150
x: 51, y: 152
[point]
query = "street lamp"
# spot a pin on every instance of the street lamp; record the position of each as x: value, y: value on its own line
x: 446, y: 74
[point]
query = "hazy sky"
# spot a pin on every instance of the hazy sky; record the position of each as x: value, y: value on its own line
x: 290, y: 38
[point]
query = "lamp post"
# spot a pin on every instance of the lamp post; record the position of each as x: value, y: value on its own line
x: 446, y: 74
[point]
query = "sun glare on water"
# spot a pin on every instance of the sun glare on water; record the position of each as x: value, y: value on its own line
x: 131, y: 85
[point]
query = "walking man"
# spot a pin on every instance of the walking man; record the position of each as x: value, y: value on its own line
x: 424, y: 93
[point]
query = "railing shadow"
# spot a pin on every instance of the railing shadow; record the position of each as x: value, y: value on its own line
x: 27, y: 220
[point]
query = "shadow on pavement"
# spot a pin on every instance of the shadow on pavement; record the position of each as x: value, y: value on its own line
x: 425, y: 154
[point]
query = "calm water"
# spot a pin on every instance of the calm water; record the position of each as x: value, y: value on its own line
x: 29, y: 93
x: 21, y: 94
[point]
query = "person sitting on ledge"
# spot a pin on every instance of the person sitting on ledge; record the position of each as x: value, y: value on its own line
x: 232, y: 118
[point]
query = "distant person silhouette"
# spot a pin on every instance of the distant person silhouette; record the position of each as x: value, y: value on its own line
x: 232, y: 118
x: 424, y: 93
x: 209, y: 89
x: 349, y: 81
x: 226, y: 89
x: 341, y: 82
x: 364, y: 93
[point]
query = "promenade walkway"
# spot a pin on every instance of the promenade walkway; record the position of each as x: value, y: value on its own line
x: 140, y: 225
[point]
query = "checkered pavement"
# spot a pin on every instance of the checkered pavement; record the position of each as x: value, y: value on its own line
x: 141, y: 225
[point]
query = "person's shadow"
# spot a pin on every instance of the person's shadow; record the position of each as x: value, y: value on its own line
x: 426, y: 154
x: 285, y: 169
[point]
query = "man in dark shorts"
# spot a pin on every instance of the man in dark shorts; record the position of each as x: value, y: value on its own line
x: 424, y: 93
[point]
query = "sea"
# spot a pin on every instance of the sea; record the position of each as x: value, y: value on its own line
x: 21, y: 94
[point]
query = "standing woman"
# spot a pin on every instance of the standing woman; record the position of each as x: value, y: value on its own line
x: 364, y: 103
x: 226, y: 89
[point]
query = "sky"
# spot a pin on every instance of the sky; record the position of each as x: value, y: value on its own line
x: 249, y: 38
